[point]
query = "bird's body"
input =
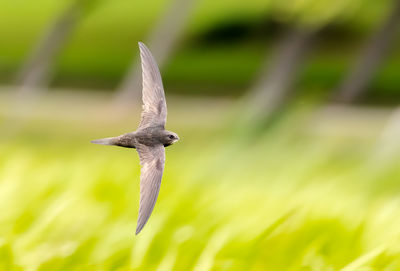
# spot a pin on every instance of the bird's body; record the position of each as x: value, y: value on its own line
x: 150, y: 138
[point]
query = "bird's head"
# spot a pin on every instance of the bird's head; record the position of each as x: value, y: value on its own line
x: 171, y: 138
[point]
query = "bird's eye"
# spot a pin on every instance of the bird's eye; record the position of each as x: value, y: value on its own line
x: 171, y: 137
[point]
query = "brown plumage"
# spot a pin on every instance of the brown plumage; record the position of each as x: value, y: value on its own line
x: 150, y: 138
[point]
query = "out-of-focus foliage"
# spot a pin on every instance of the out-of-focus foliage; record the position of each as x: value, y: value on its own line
x: 223, y: 46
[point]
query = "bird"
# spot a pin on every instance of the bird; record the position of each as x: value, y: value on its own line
x: 150, y: 138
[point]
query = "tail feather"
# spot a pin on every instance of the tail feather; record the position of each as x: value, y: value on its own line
x: 105, y: 141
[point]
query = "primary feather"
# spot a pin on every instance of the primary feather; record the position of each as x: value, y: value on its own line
x: 152, y: 161
x: 154, y: 105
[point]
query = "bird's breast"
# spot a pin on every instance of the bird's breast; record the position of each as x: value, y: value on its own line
x: 149, y: 137
x: 148, y: 140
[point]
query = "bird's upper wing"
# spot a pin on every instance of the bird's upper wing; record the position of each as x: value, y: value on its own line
x: 152, y: 160
x: 154, y: 105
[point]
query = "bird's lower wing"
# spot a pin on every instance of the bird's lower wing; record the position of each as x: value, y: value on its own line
x: 152, y: 160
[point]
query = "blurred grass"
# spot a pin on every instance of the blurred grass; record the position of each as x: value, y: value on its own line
x: 287, y: 200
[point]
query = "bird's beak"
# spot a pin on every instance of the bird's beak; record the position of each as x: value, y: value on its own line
x: 176, y: 139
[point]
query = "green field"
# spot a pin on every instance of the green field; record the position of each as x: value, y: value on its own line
x: 291, y: 198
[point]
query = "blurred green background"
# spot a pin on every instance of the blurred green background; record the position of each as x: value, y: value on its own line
x: 289, y: 150
x: 221, y: 48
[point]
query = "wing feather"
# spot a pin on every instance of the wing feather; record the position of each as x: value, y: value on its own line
x: 154, y: 105
x: 152, y: 161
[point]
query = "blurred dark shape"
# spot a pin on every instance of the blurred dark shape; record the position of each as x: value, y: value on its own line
x: 35, y: 72
x: 239, y: 30
x: 275, y: 82
x: 228, y: 32
x: 162, y: 42
x: 370, y: 59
